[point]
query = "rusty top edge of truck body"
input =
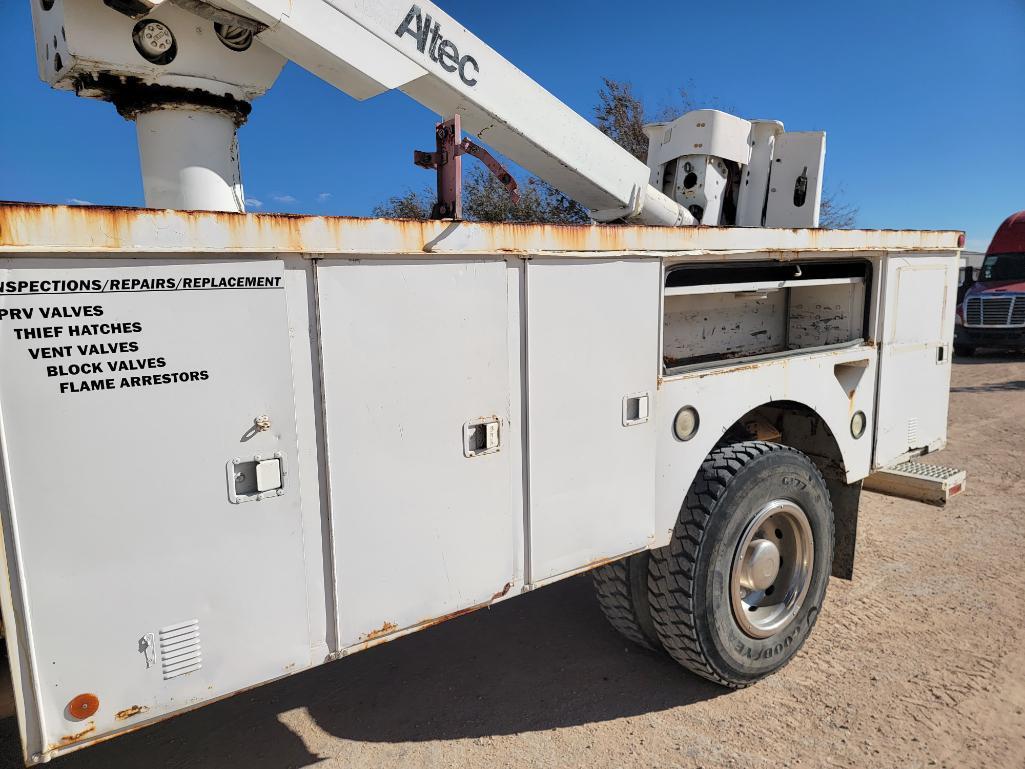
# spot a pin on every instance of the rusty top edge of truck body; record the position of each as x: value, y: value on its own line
x: 27, y: 228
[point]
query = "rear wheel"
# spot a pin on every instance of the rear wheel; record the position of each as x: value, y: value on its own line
x: 622, y: 591
x: 738, y: 589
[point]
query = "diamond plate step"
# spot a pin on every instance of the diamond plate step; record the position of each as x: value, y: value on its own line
x: 913, y: 480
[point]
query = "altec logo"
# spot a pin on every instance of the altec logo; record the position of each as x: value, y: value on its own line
x: 430, y: 41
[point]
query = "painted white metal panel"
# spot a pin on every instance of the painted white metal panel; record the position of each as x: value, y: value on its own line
x: 914, y: 370
x: 699, y: 132
x: 798, y: 154
x: 826, y: 314
x: 755, y: 189
x: 514, y: 436
x: 592, y: 338
x: 30, y: 228
x: 411, y: 353
x: 834, y: 384
x: 726, y: 324
x: 189, y: 160
x: 310, y: 471
x: 84, y: 33
x: 733, y: 288
x: 328, y: 44
x: 119, y: 496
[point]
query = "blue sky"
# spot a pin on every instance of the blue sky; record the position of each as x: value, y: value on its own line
x: 923, y: 102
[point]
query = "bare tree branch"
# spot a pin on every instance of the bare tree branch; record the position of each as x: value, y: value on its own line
x: 835, y: 212
x: 683, y: 103
x: 619, y: 115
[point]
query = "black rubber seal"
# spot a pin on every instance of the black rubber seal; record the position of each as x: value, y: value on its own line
x: 131, y: 96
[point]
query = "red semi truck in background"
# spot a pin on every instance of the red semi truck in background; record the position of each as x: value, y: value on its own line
x: 992, y: 313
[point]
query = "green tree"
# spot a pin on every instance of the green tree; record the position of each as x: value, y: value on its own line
x: 411, y: 205
x: 486, y: 200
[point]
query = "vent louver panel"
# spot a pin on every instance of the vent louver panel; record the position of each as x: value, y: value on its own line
x: 180, y: 650
x: 1018, y: 313
x: 913, y: 433
x: 973, y: 312
x: 995, y: 311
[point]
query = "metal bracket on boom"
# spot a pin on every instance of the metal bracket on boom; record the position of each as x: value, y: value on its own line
x: 447, y: 160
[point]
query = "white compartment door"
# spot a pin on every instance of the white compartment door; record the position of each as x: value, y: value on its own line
x: 127, y: 389
x: 414, y: 353
x: 915, y: 360
x: 592, y: 366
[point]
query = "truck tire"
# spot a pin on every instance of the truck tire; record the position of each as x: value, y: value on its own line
x: 622, y: 591
x: 736, y: 592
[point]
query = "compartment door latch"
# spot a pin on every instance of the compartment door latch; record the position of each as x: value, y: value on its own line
x: 251, y: 479
x: 636, y: 409
x: 482, y: 436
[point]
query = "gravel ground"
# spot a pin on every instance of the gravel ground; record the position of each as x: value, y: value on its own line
x: 920, y: 661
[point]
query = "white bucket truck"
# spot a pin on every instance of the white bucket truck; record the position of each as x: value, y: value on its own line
x: 237, y: 446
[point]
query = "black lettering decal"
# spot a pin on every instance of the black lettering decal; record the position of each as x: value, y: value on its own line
x: 71, y: 312
x: 87, y: 385
x: 425, y: 34
x: 463, y: 63
x: 49, y: 352
x: 74, y: 369
x: 430, y: 41
x: 176, y: 377
x: 406, y: 28
x: 448, y: 56
x: 40, y: 332
x: 435, y: 37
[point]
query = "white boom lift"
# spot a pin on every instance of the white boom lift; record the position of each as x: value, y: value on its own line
x: 188, y: 90
x: 234, y: 447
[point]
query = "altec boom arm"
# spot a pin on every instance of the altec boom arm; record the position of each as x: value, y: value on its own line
x: 365, y: 48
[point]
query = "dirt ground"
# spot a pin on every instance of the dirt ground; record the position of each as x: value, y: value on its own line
x: 919, y: 662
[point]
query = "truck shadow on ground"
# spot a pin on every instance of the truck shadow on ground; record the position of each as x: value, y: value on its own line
x: 1017, y: 384
x: 993, y: 357
x: 537, y: 662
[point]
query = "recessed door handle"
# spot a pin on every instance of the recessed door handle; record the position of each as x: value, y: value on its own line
x: 636, y: 408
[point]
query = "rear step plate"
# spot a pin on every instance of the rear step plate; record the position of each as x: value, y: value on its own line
x: 914, y: 480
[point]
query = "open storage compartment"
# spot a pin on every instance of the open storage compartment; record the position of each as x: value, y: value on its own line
x: 720, y: 313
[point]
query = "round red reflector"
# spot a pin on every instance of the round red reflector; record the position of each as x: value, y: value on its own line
x: 83, y: 706
x: 960, y: 240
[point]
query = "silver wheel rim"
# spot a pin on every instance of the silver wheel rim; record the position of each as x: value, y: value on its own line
x: 772, y: 569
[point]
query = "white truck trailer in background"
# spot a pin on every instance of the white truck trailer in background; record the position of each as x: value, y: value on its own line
x: 238, y: 446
